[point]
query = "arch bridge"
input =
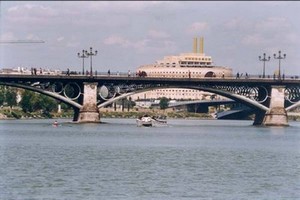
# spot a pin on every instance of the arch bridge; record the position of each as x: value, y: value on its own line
x: 270, y: 98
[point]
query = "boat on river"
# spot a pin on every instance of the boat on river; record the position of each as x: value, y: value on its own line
x: 144, y: 120
x: 148, y: 121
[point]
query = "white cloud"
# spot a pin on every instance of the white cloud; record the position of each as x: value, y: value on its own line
x: 125, y: 43
x: 273, y: 23
x: 253, y: 40
x: 7, y: 36
x: 32, y: 37
x: 30, y: 13
x: 59, y: 39
x: 120, y: 6
x: 155, y: 34
x: 116, y: 40
x: 197, y: 27
x: 142, y: 45
x: 233, y: 23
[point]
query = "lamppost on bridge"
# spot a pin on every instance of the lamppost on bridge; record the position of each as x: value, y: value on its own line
x: 91, y: 54
x: 264, y: 59
x: 83, y: 56
x: 279, y: 58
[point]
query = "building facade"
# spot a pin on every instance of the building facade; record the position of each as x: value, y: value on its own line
x: 186, y: 65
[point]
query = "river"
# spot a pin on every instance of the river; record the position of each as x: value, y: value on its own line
x: 188, y: 159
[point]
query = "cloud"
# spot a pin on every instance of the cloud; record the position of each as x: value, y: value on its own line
x: 60, y: 39
x: 7, y: 36
x: 271, y: 32
x: 30, y: 13
x: 125, y: 43
x: 117, y: 40
x: 197, y: 27
x: 143, y: 45
x: 273, y: 23
x: 121, y: 7
x: 155, y: 34
x: 234, y: 23
x: 254, y: 40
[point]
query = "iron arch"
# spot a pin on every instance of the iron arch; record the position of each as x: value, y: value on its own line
x: 45, y: 92
x: 239, y: 98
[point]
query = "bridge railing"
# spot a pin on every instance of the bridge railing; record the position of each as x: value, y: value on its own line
x: 134, y: 74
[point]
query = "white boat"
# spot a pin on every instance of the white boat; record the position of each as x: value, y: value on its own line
x: 151, y: 121
x: 144, y: 121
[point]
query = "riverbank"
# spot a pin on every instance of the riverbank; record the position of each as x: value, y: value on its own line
x: 110, y: 113
x: 105, y: 113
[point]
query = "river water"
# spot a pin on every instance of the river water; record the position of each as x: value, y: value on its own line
x: 188, y: 159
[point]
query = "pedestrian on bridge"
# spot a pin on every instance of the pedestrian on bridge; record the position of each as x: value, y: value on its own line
x: 108, y: 72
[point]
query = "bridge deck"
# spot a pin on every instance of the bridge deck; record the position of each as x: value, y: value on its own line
x: 134, y: 79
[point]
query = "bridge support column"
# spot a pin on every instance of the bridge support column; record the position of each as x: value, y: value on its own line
x: 277, y: 115
x: 89, y: 112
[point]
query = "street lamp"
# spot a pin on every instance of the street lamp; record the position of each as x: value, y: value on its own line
x: 264, y: 59
x: 91, y: 54
x: 279, y: 58
x: 83, y: 56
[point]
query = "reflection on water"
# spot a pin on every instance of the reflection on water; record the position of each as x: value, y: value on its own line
x: 188, y: 159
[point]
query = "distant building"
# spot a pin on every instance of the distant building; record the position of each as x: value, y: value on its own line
x: 186, y: 65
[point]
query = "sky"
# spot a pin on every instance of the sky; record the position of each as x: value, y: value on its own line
x: 133, y: 33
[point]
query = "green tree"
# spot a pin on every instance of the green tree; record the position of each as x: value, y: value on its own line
x: 11, y: 97
x: 47, y: 104
x: 163, y: 103
x: 32, y: 101
x: 2, y: 98
x: 26, y: 102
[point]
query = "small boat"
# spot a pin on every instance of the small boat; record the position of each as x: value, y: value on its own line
x: 144, y: 121
x: 151, y: 121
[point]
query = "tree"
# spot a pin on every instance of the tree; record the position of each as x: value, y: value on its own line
x: 163, y: 103
x: 11, y: 97
x: 26, y: 102
x: 2, y: 95
x: 32, y: 101
x: 48, y: 104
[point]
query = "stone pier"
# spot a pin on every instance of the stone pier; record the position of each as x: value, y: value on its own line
x: 89, y: 112
x: 277, y: 115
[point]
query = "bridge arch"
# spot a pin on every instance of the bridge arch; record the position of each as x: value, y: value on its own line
x: 54, y: 95
x: 293, y: 106
x: 236, y: 97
